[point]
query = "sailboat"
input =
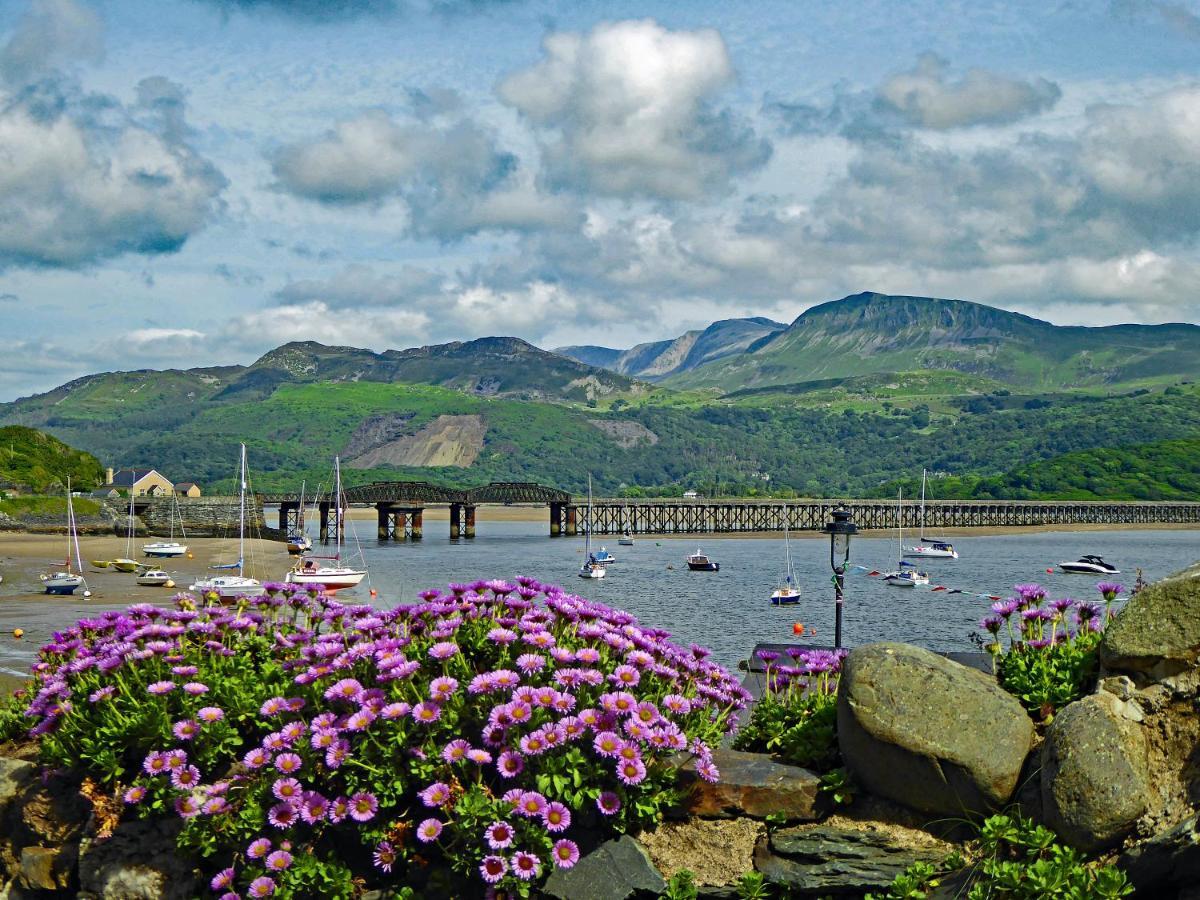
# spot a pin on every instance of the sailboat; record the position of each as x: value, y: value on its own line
x: 67, y: 581
x: 907, y: 575
x: 233, y: 587
x: 592, y: 567
x: 125, y: 563
x: 170, y: 548
x: 308, y: 570
x: 299, y: 541
x: 788, y: 592
x: 930, y: 548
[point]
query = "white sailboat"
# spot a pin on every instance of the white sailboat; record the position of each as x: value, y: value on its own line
x: 67, y: 581
x: 591, y: 568
x: 170, y: 548
x: 907, y: 575
x: 311, y: 569
x: 126, y: 563
x: 929, y: 548
x: 789, y: 591
x: 299, y: 541
x: 233, y: 587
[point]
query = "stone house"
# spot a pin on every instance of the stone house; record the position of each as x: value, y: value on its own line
x: 139, y: 482
x: 187, y: 489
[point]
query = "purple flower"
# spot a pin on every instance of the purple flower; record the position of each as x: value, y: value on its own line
x: 435, y: 795
x: 363, y: 806
x: 222, y: 880
x: 565, y: 853
x: 256, y: 758
x: 530, y: 663
x: 288, y: 763
x: 384, y: 856
x: 510, y: 764
x: 161, y: 687
x: 185, y: 730
x: 525, y: 865
x: 135, y: 794
x: 155, y: 763
x: 493, y: 868
x: 1110, y: 589
x: 632, y: 771
x: 426, y: 711
x: 195, y: 688
x: 288, y: 789
x: 346, y: 689
x: 210, y: 714
x: 499, y: 835
x: 707, y: 770
x: 429, y: 830
x: 441, y: 688
x: 282, y: 815
x: 313, y: 807
x: 531, y: 804
x: 556, y: 817
x: 279, y: 861
x: 273, y: 706
x: 262, y: 887
x: 992, y: 624
x: 443, y: 650
x: 185, y: 778
x: 607, y: 744
x: 259, y: 848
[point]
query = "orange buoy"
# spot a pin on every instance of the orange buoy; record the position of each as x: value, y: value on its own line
x: 18, y: 633
x: 1049, y: 571
x: 374, y: 592
x: 190, y: 556
x: 798, y: 628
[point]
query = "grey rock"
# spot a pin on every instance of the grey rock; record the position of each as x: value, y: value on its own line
x: 1120, y: 686
x: 929, y: 733
x: 1170, y: 859
x: 754, y: 785
x: 613, y: 871
x: 1157, y: 634
x: 1095, y: 773
x: 138, y: 862
x: 822, y: 859
x: 15, y: 776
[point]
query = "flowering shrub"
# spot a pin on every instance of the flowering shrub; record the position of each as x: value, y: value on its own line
x: 313, y: 747
x: 796, y: 718
x: 1051, y: 655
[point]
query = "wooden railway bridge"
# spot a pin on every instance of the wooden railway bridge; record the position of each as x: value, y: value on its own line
x: 400, y: 507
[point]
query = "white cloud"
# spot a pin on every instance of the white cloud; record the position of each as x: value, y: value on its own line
x: 628, y: 111
x: 925, y: 96
x: 49, y: 34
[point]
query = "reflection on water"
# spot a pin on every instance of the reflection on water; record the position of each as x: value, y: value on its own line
x: 729, y: 610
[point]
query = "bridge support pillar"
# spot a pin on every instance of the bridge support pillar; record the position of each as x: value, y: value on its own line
x: 323, y: 533
x: 416, y: 524
x: 455, y: 521
x: 556, y: 511
x: 572, y: 529
x: 469, y: 528
x: 289, y: 517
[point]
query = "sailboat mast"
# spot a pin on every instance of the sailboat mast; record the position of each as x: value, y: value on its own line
x: 242, y: 516
x: 900, y: 523
x: 337, y: 526
x: 922, y: 506
x: 587, y: 531
x: 787, y: 547
x: 74, y: 534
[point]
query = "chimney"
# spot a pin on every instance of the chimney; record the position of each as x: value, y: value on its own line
x: 108, y: 475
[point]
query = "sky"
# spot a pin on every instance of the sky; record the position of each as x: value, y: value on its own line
x: 194, y: 182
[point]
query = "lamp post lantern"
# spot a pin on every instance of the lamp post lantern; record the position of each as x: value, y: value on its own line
x: 839, y: 531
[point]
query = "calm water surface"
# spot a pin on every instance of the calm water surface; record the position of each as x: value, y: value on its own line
x: 729, y: 610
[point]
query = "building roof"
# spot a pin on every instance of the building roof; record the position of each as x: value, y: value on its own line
x: 184, y: 485
x: 130, y: 477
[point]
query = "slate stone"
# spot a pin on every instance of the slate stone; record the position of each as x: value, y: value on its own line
x: 138, y: 862
x: 47, y: 868
x: 753, y: 785
x: 615, y: 870
x: 1168, y: 860
x: 1095, y: 774
x: 1158, y: 632
x: 15, y: 776
x: 929, y: 733
x: 824, y: 859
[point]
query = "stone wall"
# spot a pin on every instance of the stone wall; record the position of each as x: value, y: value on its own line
x: 202, y: 517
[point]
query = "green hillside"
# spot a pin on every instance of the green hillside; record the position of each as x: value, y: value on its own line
x: 37, y: 462
x: 874, y: 333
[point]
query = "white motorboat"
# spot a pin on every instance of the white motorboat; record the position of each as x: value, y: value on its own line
x: 603, y: 557
x: 314, y: 569
x: 905, y: 574
x: 1089, y: 565
x: 626, y: 539
x: 929, y: 548
x: 699, y: 562
x: 154, y: 578
x: 592, y: 567
x: 233, y: 587
x: 788, y: 591
x: 68, y: 581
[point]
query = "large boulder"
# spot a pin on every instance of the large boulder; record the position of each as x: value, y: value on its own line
x: 1157, y: 634
x: 840, y: 859
x: 139, y: 861
x: 929, y: 733
x: 615, y: 870
x: 1095, y: 773
x: 754, y: 785
x: 1168, y: 860
x: 717, y: 851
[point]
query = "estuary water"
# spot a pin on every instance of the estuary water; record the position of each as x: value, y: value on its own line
x: 728, y: 611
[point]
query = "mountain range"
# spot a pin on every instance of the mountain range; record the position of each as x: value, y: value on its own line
x: 851, y: 395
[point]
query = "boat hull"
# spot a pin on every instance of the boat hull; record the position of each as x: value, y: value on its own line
x: 165, y: 551
x: 1086, y: 569
x: 231, y: 588
x: 625, y: 542
x: 785, y: 597
x: 596, y: 572
x: 154, y: 581
x: 125, y: 565
x: 61, y: 583
x: 330, y: 580
x: 704, y: 567
x: 901, y: 581
x: 930, y: 553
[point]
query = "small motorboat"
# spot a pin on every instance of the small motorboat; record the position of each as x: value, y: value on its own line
x: 1089, y: 565
x: 931, y: 548
x: 626, y: 539
x: 907, y: 575
x: 154, y: 578
x: 126, y: 565
x: 228, y: 587
x: 592, y: 569
x: 165, y: 549
x: 699, y: 562
x: 603, y: 557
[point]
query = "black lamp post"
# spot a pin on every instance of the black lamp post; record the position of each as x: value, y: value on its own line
x: 839, y: 531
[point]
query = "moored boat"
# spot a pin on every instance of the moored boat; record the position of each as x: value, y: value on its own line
x: 1089, y: 565
x: 603, y: 557
x: 313, y: 570
x: 929, y: 548
x: 592, y: 567
x: 68, y: 581
x: 233, y: 587
x: 699, y: 562
x: 154, y: 578
x: 905, y: 574
x: 788, y: 591
x: 626, y: 539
